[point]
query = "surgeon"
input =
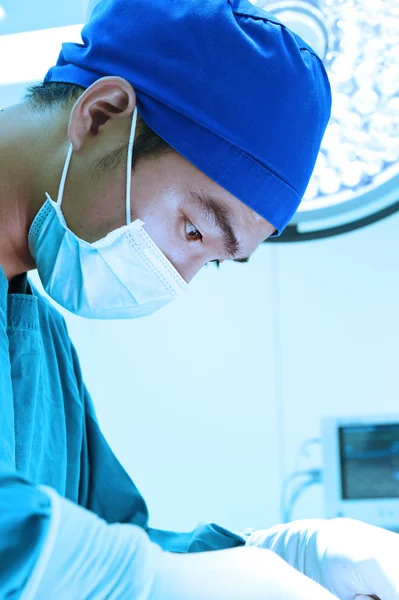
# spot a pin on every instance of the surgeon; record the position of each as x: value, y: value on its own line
x: 177, y: 134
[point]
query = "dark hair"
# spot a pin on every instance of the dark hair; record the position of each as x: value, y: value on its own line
x: 51, y: 94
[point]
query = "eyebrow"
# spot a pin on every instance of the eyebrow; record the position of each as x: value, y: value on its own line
x: 219, y: 215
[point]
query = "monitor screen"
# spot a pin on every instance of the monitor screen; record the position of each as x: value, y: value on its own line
x: 369, y: 456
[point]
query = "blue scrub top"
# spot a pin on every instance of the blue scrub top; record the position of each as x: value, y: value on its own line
x: 49, y: 435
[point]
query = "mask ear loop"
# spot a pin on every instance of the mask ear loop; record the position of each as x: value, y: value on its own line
x: 129, y: 167
x: 128, y: 170
x: 64, y: 176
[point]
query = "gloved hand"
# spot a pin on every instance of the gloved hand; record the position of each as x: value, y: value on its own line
x: 235, y: 574
x: 349, y: 558
x: 85, y: 558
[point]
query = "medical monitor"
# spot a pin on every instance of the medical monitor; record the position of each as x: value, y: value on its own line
x: 361, y: 469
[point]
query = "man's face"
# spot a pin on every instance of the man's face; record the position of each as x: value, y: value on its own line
x: 192, y: 219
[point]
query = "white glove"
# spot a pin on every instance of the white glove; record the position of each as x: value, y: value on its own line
x: 237, y: 574
x: 347, y: 557
x: 84, y: 558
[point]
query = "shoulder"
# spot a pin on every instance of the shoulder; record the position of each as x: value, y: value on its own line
x: 53, y: 328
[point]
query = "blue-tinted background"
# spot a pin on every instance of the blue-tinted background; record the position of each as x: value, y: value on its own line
x: 28, y: 15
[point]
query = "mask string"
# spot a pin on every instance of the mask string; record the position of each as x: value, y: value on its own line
x: 128, y: 170
x: 129, y: 167
x: 64, y: 176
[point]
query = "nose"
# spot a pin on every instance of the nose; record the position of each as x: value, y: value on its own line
x: 186, y: 261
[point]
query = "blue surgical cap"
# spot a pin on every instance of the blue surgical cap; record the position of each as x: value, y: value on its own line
x: 223, y: 82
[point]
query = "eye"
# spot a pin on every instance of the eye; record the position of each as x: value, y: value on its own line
x: 192, y: 232
x: 217, y: 263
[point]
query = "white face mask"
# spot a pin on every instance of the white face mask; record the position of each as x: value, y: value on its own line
x: 123, y: 275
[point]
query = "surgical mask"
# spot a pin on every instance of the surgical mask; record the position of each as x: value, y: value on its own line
x: 123, y: 275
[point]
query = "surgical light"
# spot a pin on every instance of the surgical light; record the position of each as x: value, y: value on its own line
x: 357, y: 171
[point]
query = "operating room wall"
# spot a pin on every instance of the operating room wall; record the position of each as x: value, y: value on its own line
x: 339, y: 334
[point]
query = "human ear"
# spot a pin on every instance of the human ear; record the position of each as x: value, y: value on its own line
x: 107, y: 98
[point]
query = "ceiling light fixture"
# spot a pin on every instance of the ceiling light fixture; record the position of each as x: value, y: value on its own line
x: 356, y: 177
